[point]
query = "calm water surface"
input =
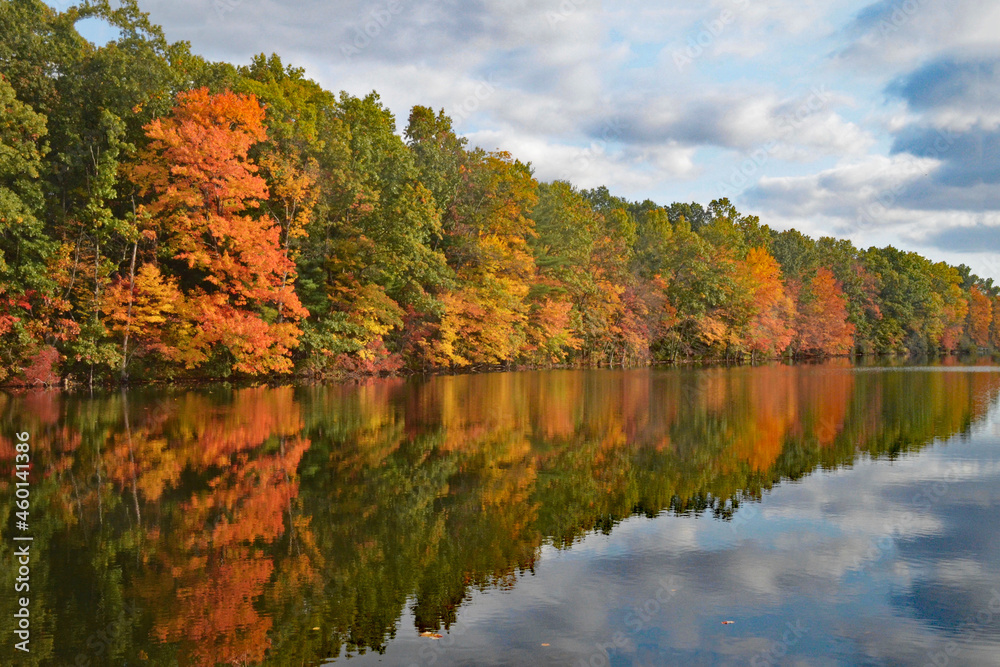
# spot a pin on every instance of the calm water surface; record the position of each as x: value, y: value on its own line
x: 835, y: 515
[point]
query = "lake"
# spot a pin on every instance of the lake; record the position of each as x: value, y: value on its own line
x: 812, y: 514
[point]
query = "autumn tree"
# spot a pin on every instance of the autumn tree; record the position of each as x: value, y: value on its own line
x: 566, y: 229
x: 203, y: 194
x: 950, y: 307
x: 291, y: 157
x: 146, y: 309
x: 373, y: 251
x: 860, y: 286
x: 769, y: 328
x: 822, y: 324
x: 980, y: 316
x: 701, y: 282
x: 485, y: 318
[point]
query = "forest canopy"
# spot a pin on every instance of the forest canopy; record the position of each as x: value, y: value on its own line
x: 167, y: 217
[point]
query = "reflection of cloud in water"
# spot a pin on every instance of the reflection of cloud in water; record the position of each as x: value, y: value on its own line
x: 806, y: 556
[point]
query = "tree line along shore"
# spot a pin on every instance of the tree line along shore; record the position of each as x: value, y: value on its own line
x: 165, y: 217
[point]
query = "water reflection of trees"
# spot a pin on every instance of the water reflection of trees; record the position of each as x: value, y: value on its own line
x: 288, y: 525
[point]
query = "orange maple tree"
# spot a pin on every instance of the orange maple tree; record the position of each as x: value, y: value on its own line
x: 204, y: 193
x: 823, y: 325
x: 980, y: 316
x: 772, y: 310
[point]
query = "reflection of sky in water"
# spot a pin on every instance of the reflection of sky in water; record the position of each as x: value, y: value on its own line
x: 882, y: 563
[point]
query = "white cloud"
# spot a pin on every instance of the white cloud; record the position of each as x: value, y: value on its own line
x: 844, y: 189
x: 559, y: 71
x: 903, y: 33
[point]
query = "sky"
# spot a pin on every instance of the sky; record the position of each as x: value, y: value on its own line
x: 874, y: 121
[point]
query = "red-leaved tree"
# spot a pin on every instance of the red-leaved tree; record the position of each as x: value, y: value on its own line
x: 823, y: 325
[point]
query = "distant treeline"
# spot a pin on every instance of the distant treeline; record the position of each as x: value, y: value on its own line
x: 163, y: 216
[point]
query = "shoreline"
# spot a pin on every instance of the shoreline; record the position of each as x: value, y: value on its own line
x: 71, y: 386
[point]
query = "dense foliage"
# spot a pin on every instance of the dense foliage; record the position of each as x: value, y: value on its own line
x: 162, y: 216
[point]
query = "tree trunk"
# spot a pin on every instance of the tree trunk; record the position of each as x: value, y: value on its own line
x: 128, y: 317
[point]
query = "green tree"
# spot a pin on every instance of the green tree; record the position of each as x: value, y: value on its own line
x: 24, y: 246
